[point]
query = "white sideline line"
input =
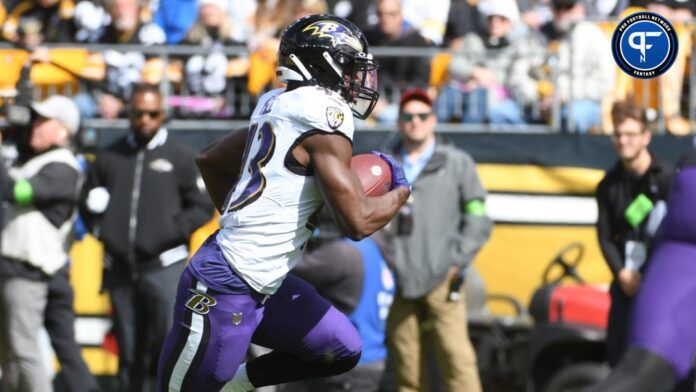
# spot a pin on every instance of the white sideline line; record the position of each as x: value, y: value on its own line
x: 542, y: 209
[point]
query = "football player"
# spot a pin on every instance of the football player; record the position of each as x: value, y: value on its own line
x: 662, y: 338
x: 294, y: 157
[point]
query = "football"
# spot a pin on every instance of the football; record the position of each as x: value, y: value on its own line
x: 374, y: 173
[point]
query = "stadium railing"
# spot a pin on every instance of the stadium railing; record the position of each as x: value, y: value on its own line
x: 76, y: 69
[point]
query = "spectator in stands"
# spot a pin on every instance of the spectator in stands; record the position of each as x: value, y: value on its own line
x: 175, y: 18
x: 584, y: 66
x: 396, y: 72
x: 534, y: 14
x: 463, y: 19
x: 213, y: 28
x: 631, y: 200
x: 241, y: 14
x: 354, y: 277
x: 490, y: 73
x: 433, y: 238
x: 360, y: 12
x: 393, y: 30
x: 143, y: 203
x: 129, y: 25
x: 34, y: 22
x: 42, y: 193
x: 273, y: 16
x: 604, y: 9
x: 206, y: 74
x: 91, y: 20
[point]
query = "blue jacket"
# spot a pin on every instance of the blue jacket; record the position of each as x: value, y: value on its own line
x: 176, y: 17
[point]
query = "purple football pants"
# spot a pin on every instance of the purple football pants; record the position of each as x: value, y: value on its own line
x: 212, y: 330
x: 664, y: 316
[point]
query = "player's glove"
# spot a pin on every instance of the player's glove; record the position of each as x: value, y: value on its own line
x: 398, y: 176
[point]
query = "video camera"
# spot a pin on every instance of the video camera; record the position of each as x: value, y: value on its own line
x: 18, y: 114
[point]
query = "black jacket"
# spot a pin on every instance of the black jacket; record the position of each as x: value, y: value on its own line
x: 155, y: 202
x: 55, y: 23
x: 615, y: 193
x: 409, y: 72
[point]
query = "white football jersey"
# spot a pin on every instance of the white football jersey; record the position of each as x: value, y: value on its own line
x: 264, y: 224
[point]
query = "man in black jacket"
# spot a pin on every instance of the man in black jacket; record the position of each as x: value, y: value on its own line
x: 143, y: 203
x: 392, y: 30
x: 396, y: 73
x: 34, y: 23
x: 631, y: 201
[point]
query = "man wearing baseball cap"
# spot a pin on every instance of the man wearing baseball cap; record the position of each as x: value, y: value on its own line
x: 57, y: 118
x: 434, y: 241
x: 41, y: 194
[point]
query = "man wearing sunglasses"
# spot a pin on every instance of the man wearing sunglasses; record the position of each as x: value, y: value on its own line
x: 143, y: 203
x: 436, y: 235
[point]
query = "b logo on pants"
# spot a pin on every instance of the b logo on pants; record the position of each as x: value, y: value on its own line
x: 200, y: 302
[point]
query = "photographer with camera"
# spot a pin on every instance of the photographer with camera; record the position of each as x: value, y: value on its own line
x: 40, y: 195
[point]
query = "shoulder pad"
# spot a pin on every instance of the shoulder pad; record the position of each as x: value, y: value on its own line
x: 314, y: 107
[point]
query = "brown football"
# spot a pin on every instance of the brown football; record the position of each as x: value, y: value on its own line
x: 374, y: 173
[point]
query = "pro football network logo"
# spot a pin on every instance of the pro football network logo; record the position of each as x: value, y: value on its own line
x: 644, y: 45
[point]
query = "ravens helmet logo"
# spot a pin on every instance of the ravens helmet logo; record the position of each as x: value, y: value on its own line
x: 336, y: 32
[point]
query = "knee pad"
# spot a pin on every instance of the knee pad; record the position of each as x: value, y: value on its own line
x: 639, y: 371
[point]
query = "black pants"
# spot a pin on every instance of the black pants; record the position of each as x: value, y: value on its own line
x: 619, y: 323
x: 142, y: 312
x: 60, y: 324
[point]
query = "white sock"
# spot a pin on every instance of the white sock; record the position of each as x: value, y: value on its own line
x: 240, y: 382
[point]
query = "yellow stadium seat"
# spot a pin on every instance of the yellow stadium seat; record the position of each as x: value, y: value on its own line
x: 261, y: 72
x: 73, y: 60
x: 11, y: 61
x: 438, y: 69
x: 153, y: 71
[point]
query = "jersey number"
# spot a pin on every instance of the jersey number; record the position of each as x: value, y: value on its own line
x: 258, y: 151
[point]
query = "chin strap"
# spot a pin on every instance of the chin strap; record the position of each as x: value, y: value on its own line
x: 305, y: 73
x: 286, y: 74
x: 333, y: 64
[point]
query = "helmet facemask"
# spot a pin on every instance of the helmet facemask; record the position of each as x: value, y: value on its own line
x: 358, y: 82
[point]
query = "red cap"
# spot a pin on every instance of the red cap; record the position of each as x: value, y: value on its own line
x: 414, y: 94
